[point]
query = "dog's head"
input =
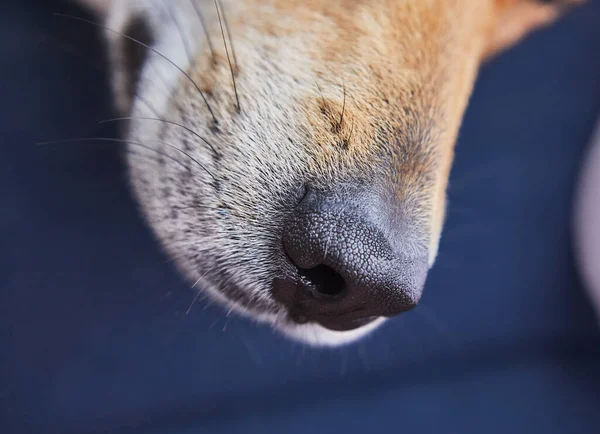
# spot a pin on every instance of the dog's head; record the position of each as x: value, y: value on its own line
x: 299, y: 167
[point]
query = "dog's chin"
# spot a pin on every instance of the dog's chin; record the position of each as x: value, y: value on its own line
x: 316, y: 335
x: 309, y: 333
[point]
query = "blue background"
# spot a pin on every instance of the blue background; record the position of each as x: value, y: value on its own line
x: 94, y: 332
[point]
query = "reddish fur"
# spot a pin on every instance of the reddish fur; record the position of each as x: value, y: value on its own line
x: 408, y: 68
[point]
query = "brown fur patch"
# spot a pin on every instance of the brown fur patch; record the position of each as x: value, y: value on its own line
x: 407, y: 67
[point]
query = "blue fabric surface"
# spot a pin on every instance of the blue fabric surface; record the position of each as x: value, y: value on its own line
x: 94, y: 329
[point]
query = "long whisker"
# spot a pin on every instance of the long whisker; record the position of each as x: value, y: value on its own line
x: 198, y: 292
x: 184, y: 40
x: 113, y: 140
x: 131, y: 142
x: 149, y: 48
x: 343, y: 108
x: 319, y: 89
x: 235, y: 63
x: 189, y: 130
x: 228, y: 58
x: 203, y: 24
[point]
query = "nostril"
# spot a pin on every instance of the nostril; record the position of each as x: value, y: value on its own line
x: 301, y: 192
x: 322, y: 281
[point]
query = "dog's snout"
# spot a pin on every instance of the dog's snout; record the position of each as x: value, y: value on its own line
x: 346, y: 270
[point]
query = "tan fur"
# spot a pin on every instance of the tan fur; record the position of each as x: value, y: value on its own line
x: 331, y: 92
x: 420, y: 57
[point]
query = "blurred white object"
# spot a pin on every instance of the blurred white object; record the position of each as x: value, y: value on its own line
x: 587, y: 220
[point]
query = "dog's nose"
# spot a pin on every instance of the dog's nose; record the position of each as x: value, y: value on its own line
x: 346, y: 271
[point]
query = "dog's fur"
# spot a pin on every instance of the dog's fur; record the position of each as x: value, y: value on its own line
x: 330, y: 93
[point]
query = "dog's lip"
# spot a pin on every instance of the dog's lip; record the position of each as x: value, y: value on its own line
x: 340, y: 324
x: 296, y: 302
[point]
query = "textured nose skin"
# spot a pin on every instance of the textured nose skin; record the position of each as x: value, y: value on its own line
x: 345, y: 263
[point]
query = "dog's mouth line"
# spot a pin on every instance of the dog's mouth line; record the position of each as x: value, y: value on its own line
x: 332, y: 324
x: 238, y: 301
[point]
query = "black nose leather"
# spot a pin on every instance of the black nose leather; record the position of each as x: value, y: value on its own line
x: 346, y: 270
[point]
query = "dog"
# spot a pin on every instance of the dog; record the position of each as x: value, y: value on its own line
x: 293, y: 156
